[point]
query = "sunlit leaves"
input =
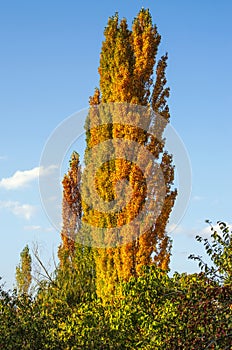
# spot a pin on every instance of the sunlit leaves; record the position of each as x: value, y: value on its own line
x: 219, y: 249
x: 23, y: 272
x: 128, y: 61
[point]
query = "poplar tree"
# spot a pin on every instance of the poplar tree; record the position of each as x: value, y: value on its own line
x: 71, y: 210
x: 127, y: 62
x: 75, y: 276
x: 23, y: 272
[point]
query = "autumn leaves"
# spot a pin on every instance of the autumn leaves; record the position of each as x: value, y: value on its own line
x: 124, y: 194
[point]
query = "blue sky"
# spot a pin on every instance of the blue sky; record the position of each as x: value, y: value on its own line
x: 48, y: 70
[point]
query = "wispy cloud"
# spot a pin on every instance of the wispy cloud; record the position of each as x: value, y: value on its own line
x: 22, y: 178
x: 32, y: 228
x: 175, y: 228
x: 207, y: 232
x: 37, y: 228
x: 183, y: 231
x: 3, y: 157
x: 25, y: 211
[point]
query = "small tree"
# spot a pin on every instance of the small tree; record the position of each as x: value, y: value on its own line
x: 23, y: 272
x: 220, y: 252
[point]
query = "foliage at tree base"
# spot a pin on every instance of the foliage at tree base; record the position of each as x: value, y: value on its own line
x: 154, y: 311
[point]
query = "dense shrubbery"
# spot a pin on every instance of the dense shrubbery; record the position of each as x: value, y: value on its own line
x: 154, y: 311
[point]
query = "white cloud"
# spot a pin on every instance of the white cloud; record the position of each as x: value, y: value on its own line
x: 175, y: 228
x: 25, y: 211
x: 23, y: 178
x: 184, y: 231
x: 32, y: 228
x: 37, y: 228
x: 207, y: 232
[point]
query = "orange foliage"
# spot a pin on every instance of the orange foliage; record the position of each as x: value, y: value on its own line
x: 127, y: 62
x: 71, y: 210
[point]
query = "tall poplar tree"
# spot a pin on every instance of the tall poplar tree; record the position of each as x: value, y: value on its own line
x: 126, y: 70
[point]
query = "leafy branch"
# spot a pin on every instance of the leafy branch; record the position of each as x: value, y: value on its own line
x: 220, y: 252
